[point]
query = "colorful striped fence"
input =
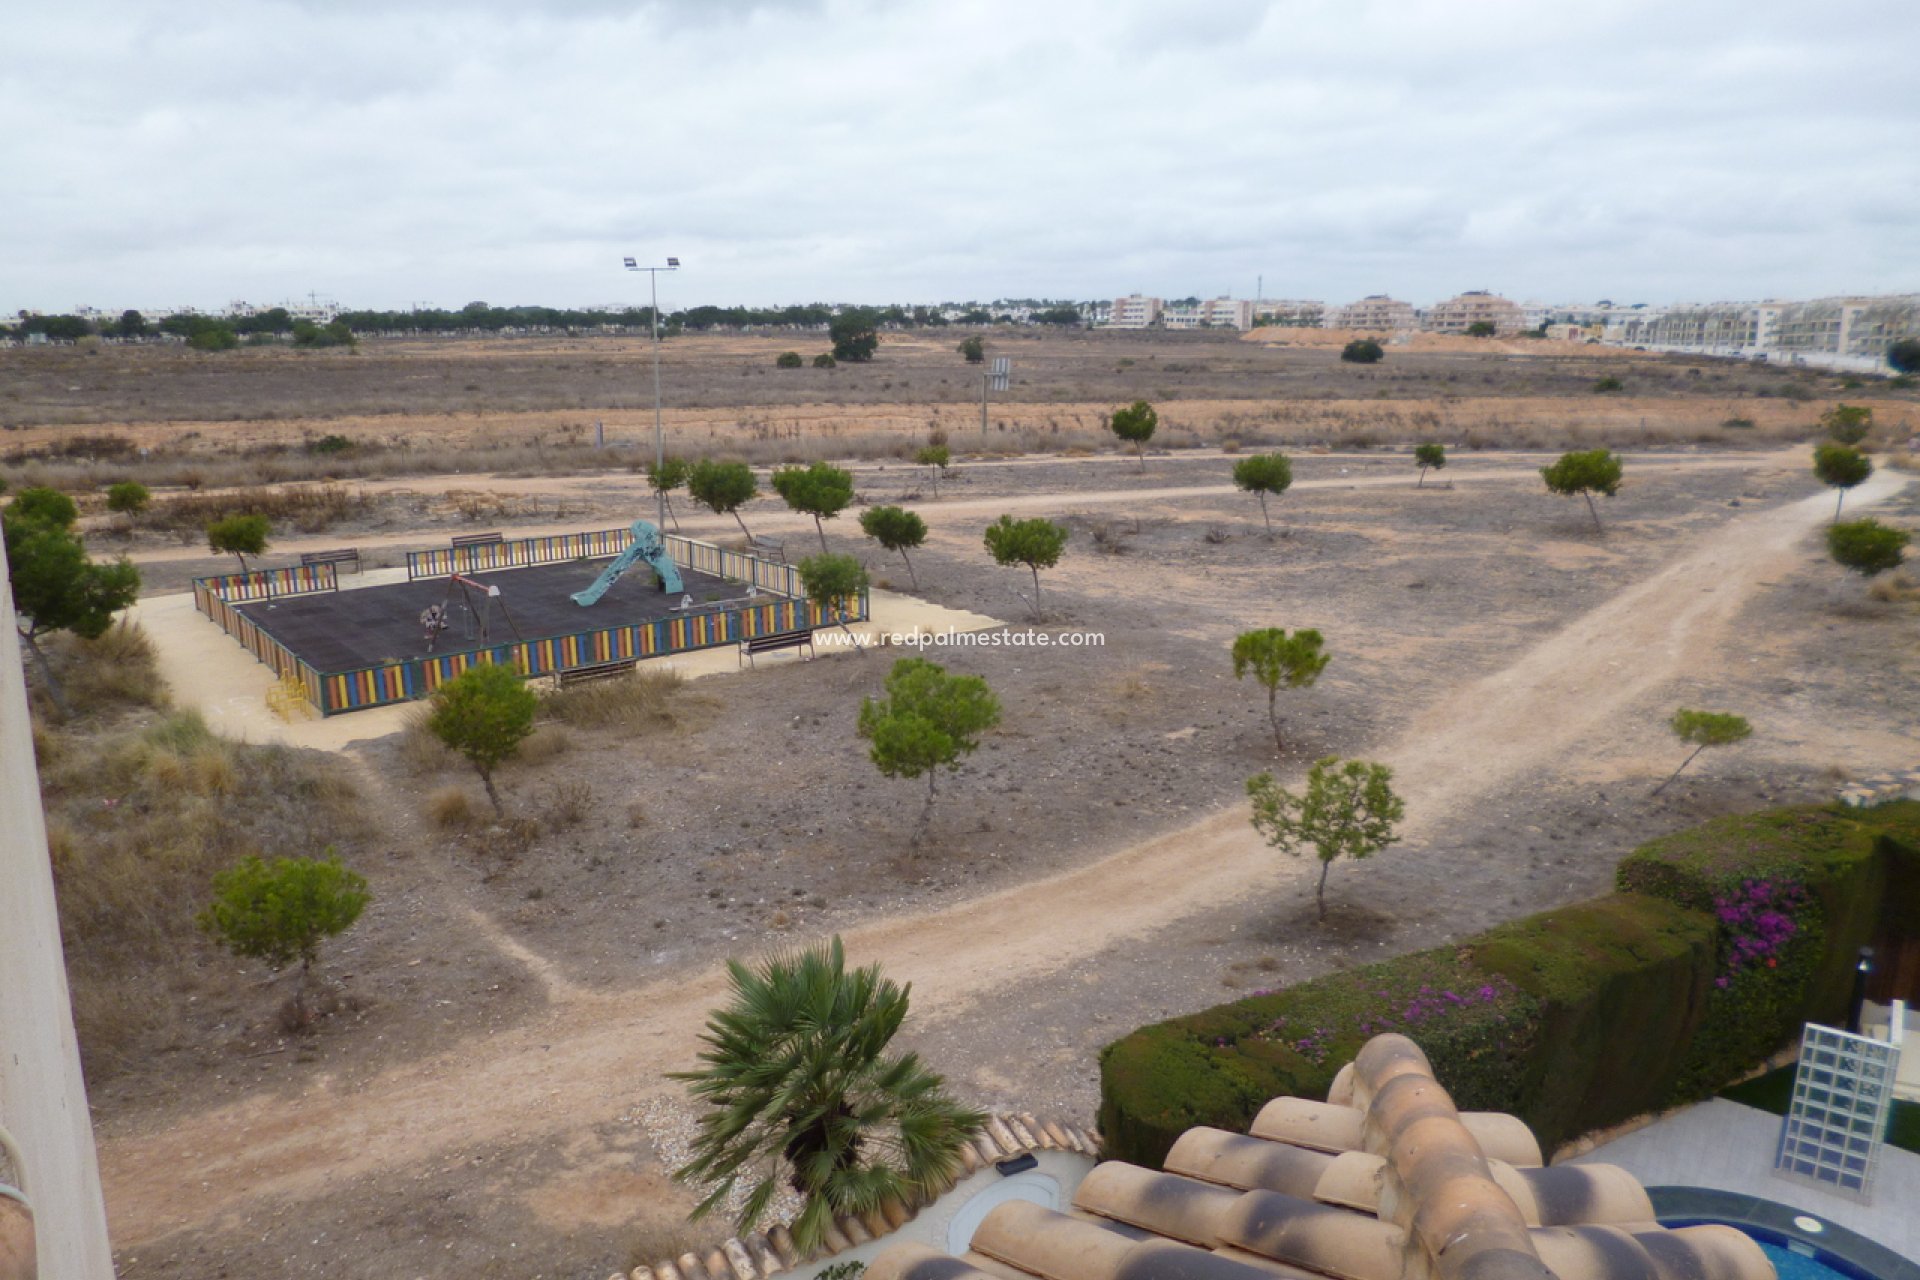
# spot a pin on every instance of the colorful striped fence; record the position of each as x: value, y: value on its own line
x: 338, y: 691
x: 266, y: 584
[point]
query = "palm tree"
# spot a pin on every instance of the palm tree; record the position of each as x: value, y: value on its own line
x: 801, y: 1084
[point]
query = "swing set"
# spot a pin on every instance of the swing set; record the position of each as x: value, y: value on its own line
x: 476, y: 623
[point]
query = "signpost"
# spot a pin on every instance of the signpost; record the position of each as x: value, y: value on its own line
x: 997, y: 378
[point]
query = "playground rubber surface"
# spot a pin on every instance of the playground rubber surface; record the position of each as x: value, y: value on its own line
x: 354, y: 628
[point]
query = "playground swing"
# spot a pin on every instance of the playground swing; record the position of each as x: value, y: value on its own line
x: 475, y: 623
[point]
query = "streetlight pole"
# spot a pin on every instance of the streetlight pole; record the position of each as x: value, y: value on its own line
x: 659, y: 439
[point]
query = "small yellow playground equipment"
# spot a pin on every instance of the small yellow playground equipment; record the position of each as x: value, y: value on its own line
x: 288, y: 700
x: 18, y: 1259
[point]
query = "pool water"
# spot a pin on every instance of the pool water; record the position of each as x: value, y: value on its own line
x: 1798, y: 1266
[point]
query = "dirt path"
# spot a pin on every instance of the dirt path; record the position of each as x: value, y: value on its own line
x: 591, y: 1056
x: 769, y: 518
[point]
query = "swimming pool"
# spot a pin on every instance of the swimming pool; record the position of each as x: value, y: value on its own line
x: 1801, y: 1246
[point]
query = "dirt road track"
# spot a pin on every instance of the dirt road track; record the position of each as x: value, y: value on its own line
x: 589, y: 1056
x: 769, y: 518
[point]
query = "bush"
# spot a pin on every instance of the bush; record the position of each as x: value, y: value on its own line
x: 788, y: 360
x: 825, y: 360
x: 1362, y: 351
x: 1904, y: 356
x: 282, y: 911
x: 48, y: 506
x: 1597, y: 1012
x: 484, y: 714
x: 1867, y: 547
x: 1608, y: 385
x: 128, y: 498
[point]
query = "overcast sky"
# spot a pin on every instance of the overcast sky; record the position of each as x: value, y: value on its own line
x: 390, y: 152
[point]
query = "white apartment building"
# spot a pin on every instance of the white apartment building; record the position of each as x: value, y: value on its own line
x: 1477, y: 306
x: 1215, y: 313
x: 1134, y: 312
x: 1376, y: 313
x: 1301, y: 312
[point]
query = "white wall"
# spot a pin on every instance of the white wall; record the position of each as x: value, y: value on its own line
x: 43, y: 1100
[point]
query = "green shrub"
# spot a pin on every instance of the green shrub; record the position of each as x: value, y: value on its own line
x: 1601, y: 1010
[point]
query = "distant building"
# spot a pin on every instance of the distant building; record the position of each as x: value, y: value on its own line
x: 1477, y: 306
x: 1289, y: 312
x: 1377, y: 313
x: 1215, y: 313
x: 1134, y: 312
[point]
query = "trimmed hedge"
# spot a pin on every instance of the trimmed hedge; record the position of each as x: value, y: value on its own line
x: 1600, y: 1011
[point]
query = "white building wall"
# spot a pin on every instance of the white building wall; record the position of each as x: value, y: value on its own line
x: 43, y: 1099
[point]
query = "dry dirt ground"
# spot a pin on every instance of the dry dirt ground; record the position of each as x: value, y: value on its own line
x: 497, y: 1107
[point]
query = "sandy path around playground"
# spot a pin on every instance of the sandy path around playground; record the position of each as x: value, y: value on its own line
x: 589, y: 1056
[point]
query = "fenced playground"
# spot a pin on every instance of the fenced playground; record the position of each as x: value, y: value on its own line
x: 509, y: 603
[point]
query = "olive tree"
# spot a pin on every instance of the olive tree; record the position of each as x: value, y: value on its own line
x: 484, y: 714
x: 1842, y: 468
x: 1278, y: 661
x: 1847, y: 423
x: 241, y: 536
x: 663, y: 477
x: 1263, y: 474
x: 831, y: 581
x: 282, y: 911
x: 1703, y: 729
x: 1036, y: 543
x: 1348, y: 810
x: 723, y: 488
x: 927, y: 721
x: 1867, y: 547
x: 822, y: 491
x: 56, y: 587
x: 1585, y: 472
x: 1428, y: 455
x: 1135, y: 424
x: 896, y: 529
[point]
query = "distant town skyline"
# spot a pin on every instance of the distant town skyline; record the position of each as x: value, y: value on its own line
x: 848, y: 150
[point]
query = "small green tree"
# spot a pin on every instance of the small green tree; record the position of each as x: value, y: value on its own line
x: 822, y: 491
x: 928, y: 721
x: 1035, y: 543
x: 937, y: 458
x: 896, y: 529
x: 1608, y: 385
x: 1847, y: 423
x: 1428, y: 455
x: 1278, y: 661
x: 974, y: 349
x: 1842, y: 468
x: 128, y: 498
x: 666, y: 475
x: 45, y: 506
x: 57, y: 588
x: 1704, y: 729
x: 484, y: 714
x: 1349, y: 810
x: 788, y: 360
x: 215, y: 337
x: 723, y: 488
x: 856, y: 335
x: 832, y: 582
x: 1585, y: 472
x: 1482, y: 329
x: 1135, y: 424
x: 1904, y: 356
x: 1261, y: 474
x: 1362, y: 351
x: 282, y: 911
x: 798, y: 1081
x: 241, y: 536
x: 1866, y: 547
x: 825, y: 360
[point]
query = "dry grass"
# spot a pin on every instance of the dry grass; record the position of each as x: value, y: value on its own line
x: 115, y: 672
x: 568, y: 805
x: 1895, y: 588
x: 453, y: 807
x: 306, y: 508
x: 544, y: 745
x: 140, y: 817
x: 420, y: 751
x: 645, y: 700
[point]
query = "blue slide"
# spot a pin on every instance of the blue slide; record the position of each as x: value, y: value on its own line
x: 646, y: 546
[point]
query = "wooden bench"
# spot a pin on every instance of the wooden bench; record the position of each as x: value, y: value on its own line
x: 339, y: 555
x: 772, y: 644
x: 570, y: 676
x: 478, y: 539
x: 776, y: 546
